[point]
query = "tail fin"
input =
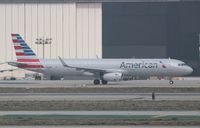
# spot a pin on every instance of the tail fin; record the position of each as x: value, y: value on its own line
x: 23, y: 52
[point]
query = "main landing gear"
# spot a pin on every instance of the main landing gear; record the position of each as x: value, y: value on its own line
x: 97, y: 82
x: 171, y: 82
x: 104, y: 82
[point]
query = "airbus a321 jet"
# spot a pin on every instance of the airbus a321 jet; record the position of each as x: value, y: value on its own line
x: 101, y: 70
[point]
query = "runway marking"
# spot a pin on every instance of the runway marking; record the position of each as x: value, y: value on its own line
x: 129, y: 113
x: 158, y: 116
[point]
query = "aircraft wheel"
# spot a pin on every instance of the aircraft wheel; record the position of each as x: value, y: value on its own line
x: 104, y: 82
x: 96, y: 82
x: 171, y: 82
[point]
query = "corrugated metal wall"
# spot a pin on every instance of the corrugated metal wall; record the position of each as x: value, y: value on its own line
x: 75, y: 28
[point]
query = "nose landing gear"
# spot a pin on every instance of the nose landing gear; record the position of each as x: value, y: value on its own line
x: 171, y: 82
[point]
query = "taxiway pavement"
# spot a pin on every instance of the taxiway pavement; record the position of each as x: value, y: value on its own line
x: 88, y: 83
x: 97, y: 96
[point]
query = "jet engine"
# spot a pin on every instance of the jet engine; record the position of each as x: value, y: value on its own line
x: 112, y: 76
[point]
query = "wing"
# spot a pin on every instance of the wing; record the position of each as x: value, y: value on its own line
x: 16, y: 64
x: 9, y: 69
x: 92, y: 70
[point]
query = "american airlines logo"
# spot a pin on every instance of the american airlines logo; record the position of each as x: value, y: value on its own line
x: 163, y: 66
x: 138, y: 65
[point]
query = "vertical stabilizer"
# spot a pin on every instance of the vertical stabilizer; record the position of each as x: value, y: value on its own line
x: 24, y: 53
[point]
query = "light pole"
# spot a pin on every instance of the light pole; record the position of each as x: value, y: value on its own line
x: 43, y: 41
x: 199, y: 46
x: 199, y: 53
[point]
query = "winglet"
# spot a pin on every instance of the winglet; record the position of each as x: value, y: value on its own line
x: 63, y: 62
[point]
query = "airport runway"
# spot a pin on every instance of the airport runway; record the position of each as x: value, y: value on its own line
x: 188, y: 82
x: 104, y: 113
x: 96, y: 96
x: 193, y: 83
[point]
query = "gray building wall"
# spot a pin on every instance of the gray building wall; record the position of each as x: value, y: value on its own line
x: 134, y: 29
x: 155, y: 30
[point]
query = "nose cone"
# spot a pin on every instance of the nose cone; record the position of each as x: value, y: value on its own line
x: 188, y: 70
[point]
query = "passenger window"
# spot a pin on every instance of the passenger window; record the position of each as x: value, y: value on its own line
x: 183, y: 64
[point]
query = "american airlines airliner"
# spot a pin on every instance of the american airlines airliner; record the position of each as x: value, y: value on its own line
x: 100, y: 70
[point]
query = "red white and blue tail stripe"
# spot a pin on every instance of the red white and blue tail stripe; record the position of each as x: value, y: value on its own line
x: 24, y: 53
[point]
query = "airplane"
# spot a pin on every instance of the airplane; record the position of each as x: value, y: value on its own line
x: 100, y: 70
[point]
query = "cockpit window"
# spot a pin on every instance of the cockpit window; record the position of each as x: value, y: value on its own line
x: 182, y: 64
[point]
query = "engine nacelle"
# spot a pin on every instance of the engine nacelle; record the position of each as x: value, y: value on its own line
x: 112, y: 76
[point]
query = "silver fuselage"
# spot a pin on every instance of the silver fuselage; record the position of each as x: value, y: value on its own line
x: 133, y: 67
